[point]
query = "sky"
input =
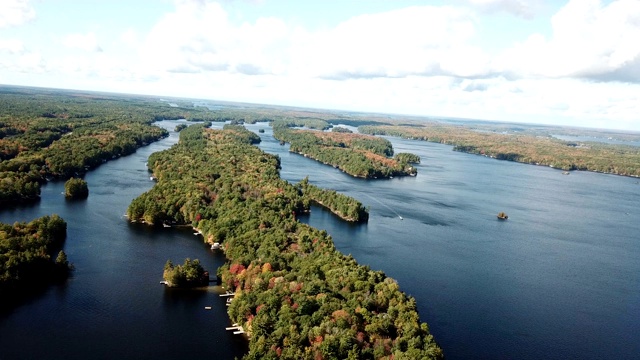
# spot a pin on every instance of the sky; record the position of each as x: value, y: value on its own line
x: 573, y: 62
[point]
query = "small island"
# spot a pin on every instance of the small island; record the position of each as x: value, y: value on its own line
x: 189, y: 274
x: 76, y: 189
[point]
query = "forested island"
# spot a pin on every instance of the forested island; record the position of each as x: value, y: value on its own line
x: 31, y: 256
x: 296, y: 296
x: 358, y: 155
x: 189, y: 274
x: 56, y: 134
x: 76, y: 189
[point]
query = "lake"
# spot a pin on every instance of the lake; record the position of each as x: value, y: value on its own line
x: 560, y: 279
x: 114, y: 307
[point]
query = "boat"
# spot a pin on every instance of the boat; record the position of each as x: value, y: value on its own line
x: 565, y: 173
x: 502, y: 216
x: 215, y: 246
x: 166, y: 225
x: 400, y: 217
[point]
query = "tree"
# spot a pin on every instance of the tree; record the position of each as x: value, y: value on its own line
x: 76, y: 189
x: 61, y: 260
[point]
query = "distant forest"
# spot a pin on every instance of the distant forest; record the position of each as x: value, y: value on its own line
x: 49, y: 134
x: 525, y: 143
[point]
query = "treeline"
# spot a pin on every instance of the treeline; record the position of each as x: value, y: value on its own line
x: 524, y: 148
x: 27, y: 253
x: 294, y: 117
x: 357, y: 155
x: 296, y: 296
x: 345, y: 207
x: 47, y: 134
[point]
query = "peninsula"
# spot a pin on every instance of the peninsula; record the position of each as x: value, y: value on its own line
x: 296, y: 296
x: 358, y: 155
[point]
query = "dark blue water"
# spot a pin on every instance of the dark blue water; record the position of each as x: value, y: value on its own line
x: 559, y: 280
x: 113, y: 307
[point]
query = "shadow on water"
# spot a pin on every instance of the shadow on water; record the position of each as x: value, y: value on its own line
x: 177, y: 296
x: 27, y: 296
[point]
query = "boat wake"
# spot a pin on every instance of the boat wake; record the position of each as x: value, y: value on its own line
x: 385, y: 205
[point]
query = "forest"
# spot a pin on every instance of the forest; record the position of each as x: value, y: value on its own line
x: 28, y: 255
x: 524, y: 147
x: 55, y: 134
x: 358, y: 155
x: 296, y: 296
x: 525, y: 143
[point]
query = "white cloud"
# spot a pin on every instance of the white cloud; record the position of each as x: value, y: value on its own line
x: 31, y: 62
x: 11, y: 46
x: 422, y: 40
x: 15, y: 12
x: 589, y: 40
x: 130, y: 38
x: 208, y: 41
x: 420, y: 60
x: 87, y: 42
x: 520, y: 8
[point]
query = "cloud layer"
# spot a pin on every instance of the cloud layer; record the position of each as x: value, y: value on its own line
x: 15, y: 12
x: 429, y: 60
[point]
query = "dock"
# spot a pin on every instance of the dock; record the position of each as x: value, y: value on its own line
x: 236, y: 329
x: 228, y: 293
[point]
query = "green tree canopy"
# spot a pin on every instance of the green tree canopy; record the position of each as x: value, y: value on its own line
x: 76, y: 189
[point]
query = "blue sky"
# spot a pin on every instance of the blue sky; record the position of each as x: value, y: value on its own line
x: 556, y: 62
